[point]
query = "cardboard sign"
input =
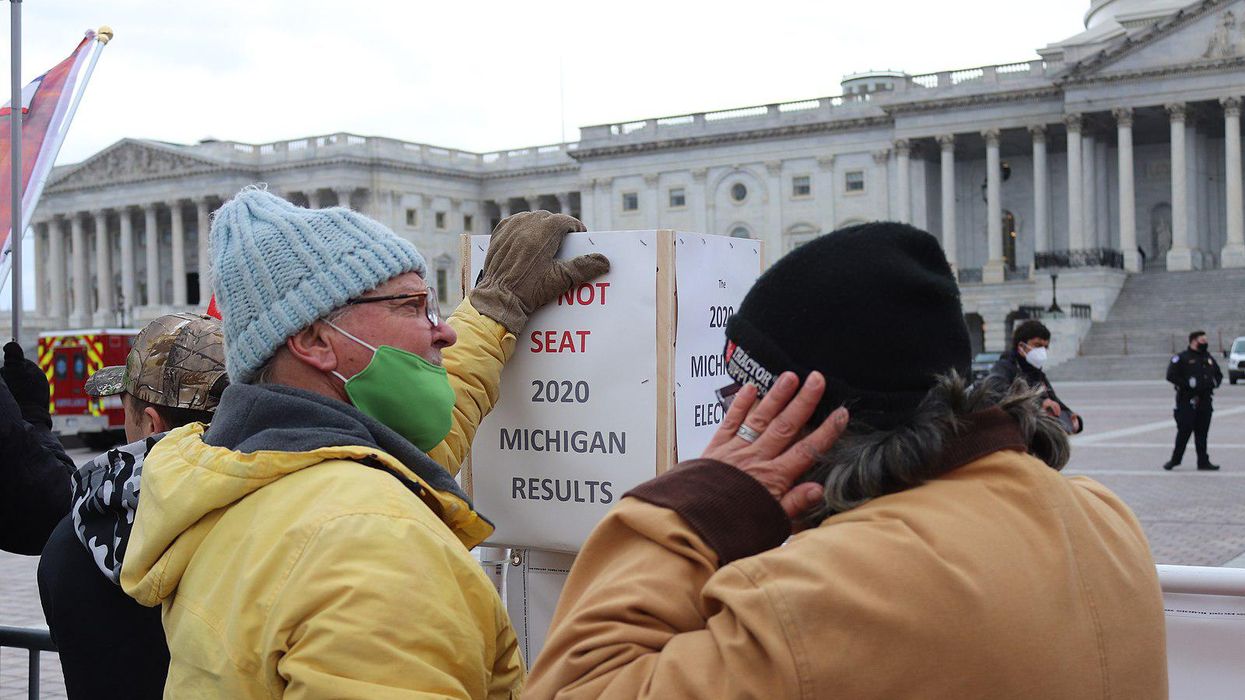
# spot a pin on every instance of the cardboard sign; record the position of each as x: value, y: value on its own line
x: 712, y: 275
x: 588, y: 402
x: 574, y: 428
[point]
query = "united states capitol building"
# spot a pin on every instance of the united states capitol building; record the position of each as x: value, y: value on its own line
x: 1112, y: 155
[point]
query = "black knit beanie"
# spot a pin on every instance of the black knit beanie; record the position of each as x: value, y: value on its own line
x: 872, y: 307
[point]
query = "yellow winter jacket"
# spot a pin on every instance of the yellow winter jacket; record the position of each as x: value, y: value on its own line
x: 301, y: 550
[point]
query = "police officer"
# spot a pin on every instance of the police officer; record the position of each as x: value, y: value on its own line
x: 1195, y: 375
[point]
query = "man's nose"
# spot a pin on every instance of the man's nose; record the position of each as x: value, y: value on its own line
x: 444, y: 335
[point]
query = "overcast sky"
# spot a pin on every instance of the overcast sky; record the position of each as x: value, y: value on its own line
x: 485, y: 75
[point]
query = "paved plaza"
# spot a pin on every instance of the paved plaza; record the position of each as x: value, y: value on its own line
x: 1190, y: 517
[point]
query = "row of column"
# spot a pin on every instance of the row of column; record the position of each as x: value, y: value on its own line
x: 533, y: 203
x: 1085, y: 178
x: 343, y: 197
x: 57, y: 303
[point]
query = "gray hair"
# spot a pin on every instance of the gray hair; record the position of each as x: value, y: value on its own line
x: 264, y: 375
x: 866, y: 463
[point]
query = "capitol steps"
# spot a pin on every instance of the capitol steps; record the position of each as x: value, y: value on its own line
x: 1152, y: 318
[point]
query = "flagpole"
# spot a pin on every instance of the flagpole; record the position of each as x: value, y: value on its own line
x: 15, y: 141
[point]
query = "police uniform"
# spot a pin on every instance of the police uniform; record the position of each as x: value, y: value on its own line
x: 1195, y: 374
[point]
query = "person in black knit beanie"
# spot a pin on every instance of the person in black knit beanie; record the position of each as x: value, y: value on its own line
x: 937, y: 529
x: 873, y: 307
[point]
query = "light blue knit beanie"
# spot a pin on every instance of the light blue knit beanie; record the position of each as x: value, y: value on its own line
x: 278, y: 267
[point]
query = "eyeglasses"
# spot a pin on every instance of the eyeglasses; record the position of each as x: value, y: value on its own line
x: 431, y: 310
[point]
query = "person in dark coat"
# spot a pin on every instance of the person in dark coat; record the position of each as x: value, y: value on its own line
x: 1195, y: 375
x: 1025, y: 360
x: 110, y: 645
x: 34, y: 469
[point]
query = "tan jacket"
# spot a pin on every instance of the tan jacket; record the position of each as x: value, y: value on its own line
x: 1002, y: 579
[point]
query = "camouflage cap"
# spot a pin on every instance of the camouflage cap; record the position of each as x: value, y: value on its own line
x: 178, y: 360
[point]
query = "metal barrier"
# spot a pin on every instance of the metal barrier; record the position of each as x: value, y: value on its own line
x: 1092, y: 257
x: 1204, y: 608
x: 34, y: 640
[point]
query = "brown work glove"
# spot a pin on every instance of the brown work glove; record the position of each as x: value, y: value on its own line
x: 520, y: 273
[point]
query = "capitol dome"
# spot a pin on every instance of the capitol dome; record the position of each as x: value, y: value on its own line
x: 1126, y: 12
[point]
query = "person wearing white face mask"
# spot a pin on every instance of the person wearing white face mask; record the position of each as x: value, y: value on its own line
x: 1025, y: 361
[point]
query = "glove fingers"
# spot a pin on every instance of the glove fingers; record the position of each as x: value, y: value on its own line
x: 569, y: 274
x: 586, y: 268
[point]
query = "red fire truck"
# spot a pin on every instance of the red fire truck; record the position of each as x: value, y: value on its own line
x: 68, y: 358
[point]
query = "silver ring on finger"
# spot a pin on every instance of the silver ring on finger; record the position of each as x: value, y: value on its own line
x: 747, y: 434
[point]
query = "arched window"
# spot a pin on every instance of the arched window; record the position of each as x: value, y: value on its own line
x: 798, y: 235
x: 740, y: 232
x: 739, y: 191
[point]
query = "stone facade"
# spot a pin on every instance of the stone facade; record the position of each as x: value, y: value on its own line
x: 1117, y: 151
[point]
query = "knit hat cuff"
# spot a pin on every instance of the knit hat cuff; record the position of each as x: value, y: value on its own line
x: 752, y: 358
x: 308, y: 302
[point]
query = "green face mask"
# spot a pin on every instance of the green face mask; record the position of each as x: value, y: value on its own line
x: 405, y: 392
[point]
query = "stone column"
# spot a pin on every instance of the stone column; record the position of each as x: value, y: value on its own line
x: 605, y: 203
x: 179, y: 253
x: 564, y: 203
x: 652, y: 188
x: 343, y: 196
x: 826, y: 193
x: 455, y: 224
x: 81, y: 273
x: 105, y: 312
x: 903, y: 193
x: 152, y: 235
x: 39, y: 250
x: 1089, y: 205
x: 993, y: 272
x: 203, y: 223
x: 882, y: 163
x: 774, y: 237
x: 697, y: 195
x: 533, y: 202
x: 1041, y: 191
x: 313, y: 199
x: 1102, y: 188
x: 1234, y: 249
x: 503, y: 207
x: 129, y: 298
x: 1076, y: 201
x: 1180, y: 257
x: 1128, y: 197
x: 588, y: 202
x: 56, y: 269
x: 696, y: 198
x: 946, y: 144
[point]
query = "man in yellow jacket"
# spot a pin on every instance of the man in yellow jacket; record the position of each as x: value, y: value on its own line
x: 945, y: 556
x: 306, y: 544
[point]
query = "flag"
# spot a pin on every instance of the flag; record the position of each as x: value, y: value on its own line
x: 213, y: 310
x: 48, y: 103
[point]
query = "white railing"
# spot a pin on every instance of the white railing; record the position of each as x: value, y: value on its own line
x: 682, y: 124
x: 434, y: 155
x: 984, y: 75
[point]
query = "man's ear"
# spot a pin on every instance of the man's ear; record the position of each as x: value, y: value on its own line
x: 312, y: 347
x: 152, y: 422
